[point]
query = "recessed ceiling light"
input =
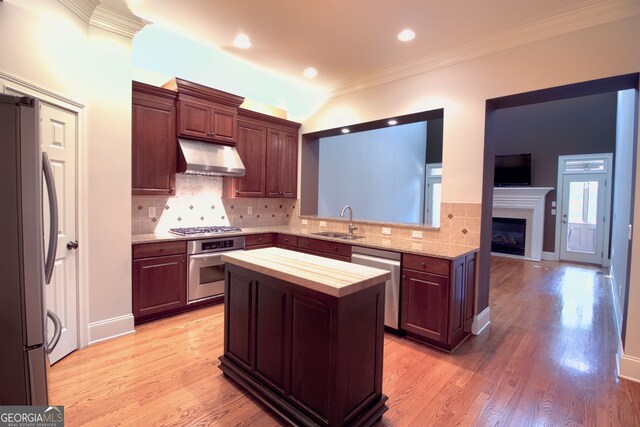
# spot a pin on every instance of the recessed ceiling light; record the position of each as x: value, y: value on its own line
x: 310, y: 72
x: 242, y: 41
x: 345, y: 130
x: 392, y: 122
x: 406, y: 35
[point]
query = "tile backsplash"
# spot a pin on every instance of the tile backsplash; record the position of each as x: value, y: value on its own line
x: 459, y: 225
x: 198, y: 202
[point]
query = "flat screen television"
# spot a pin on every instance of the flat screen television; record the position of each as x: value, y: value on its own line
x: 512, y: 170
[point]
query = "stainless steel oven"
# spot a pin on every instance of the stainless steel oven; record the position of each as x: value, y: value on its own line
x: 206, y: 269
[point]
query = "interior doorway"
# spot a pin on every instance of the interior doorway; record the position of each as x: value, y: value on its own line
x: 584, y: 204
x: 610, y: 84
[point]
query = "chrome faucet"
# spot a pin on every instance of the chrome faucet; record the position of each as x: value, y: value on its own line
x: 351, y: 226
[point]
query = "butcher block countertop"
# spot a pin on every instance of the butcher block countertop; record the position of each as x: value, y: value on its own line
x: 331, y: 277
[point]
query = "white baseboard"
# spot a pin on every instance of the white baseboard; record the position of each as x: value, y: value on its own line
x: 549, y: 256
x: 629, y: 368
x: 481, y: 321
x: 110, y: 328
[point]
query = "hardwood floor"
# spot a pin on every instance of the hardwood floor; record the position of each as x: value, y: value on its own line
x: 548, y: 358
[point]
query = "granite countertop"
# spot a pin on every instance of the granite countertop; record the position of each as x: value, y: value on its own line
x: 412, y: 246
x: 331, y: 277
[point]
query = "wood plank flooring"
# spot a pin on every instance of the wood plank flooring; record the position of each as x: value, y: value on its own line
x: 548, y: 358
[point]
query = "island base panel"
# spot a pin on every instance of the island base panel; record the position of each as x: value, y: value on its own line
x: 372, y: 414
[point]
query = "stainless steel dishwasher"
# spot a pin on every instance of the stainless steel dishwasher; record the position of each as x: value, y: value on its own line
x: 389, y: 261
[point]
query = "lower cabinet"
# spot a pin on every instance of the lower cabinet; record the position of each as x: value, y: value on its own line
x: 323, y: 248
x: 315, y: 358
x: 159, y: 285
x: 438, y: 298
x: 258, y: 241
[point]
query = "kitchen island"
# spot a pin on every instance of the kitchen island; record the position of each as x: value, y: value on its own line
x: 305, y: 334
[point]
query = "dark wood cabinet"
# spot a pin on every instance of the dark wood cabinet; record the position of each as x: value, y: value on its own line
x: 313, y: 358
x: 268, y: 147
x: 205, y: 113
x: 154, y: 146
x: 159, y: 285
x: 425, y: 303
x: 282, y: 162
x: 159, y: 282
x: 252, y: 148
x: 205, y: 121
x: 323, y: 248
x: 257, y: 241
x: 438, y: 297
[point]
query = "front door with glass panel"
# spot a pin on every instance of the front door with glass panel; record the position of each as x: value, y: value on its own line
x: 583, y: 213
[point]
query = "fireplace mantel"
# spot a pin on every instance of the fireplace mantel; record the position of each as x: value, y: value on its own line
x: 527, y: 203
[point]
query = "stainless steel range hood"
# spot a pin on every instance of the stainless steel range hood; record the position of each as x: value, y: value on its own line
x: 206, y: 158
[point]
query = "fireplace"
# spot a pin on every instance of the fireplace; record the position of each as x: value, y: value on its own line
x: 508, y: 235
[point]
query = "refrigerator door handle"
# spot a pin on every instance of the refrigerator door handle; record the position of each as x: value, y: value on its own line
x: 57, y: 324
x: 53, y: 214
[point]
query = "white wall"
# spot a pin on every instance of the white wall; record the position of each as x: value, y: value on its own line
x: 379, y: 173
x: 46, y: 45
x: 462, y: 90
x: 625, y: 126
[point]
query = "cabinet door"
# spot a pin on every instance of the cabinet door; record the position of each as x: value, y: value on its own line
x: 239, y: 312
x: 194, y: 120
x: 274, y: 162
x: 223, y: 125
x: 252, y: 148
x: 159, y: 284
x: 457, y: 288
x: 272, y: 358
x: 469, y: 291
x: 154, y: 148
x: 425, y: 305
x: 289, y: 165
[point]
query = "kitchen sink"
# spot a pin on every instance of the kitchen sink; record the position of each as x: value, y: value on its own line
x: 337, y: 235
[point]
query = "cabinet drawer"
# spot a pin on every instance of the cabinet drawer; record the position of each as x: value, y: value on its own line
x: 286, y: 239
x: 325, y: 246
x: 426, y: 264
x: 147, y: 250
x: 258, y: 239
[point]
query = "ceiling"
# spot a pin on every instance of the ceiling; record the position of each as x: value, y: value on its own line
x: 345, y: 39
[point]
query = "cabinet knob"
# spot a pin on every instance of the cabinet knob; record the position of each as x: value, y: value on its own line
x: 423, y: 264
x: 335, y: 248
x: 404, y: 276
x: 308, y: 243
x: 161, y: 249
x: 237, y: 191
x: 259, y: 239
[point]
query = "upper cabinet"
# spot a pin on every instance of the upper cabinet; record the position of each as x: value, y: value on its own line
x: 268, y: 147
x: 153, y: 140
x: 282, y: 161
x: 205, y: 113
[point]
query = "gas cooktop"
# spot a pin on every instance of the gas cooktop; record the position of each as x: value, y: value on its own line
x: 189, y: 231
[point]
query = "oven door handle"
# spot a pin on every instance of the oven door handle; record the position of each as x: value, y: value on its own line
x: 211, y: 255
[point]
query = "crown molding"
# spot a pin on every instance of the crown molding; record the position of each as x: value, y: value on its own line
x: 83, y: 8
x: 565, y: 21
x: 96, y: 14
x: 116, y: 21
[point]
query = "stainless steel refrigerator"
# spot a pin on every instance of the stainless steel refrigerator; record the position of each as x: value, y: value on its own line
x: 25, y: 172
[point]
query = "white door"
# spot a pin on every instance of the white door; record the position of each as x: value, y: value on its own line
x: 58, y: 133
x: 583, y: 217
